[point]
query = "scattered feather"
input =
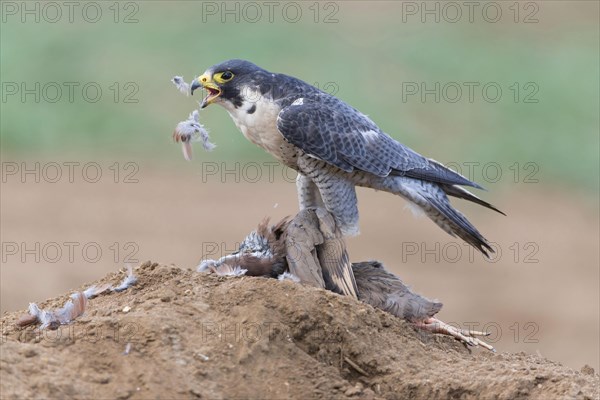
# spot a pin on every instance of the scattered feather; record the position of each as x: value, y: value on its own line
x: 94, y: 291
x: 72, y: 308
x: 127, y: 282
x: 127, y: 349
x: 191, y: 130
x: 417, y: 211
x: 43, y: 316
x: 286, y: 276
x: 62, y: 316
x: 227, y: 270
x: 205, y: 265
x: 182, y: 85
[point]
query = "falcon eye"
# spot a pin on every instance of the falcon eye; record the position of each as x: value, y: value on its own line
x: 224, y: 76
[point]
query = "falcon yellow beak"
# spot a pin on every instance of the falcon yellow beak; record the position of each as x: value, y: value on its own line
x: 205, y: 82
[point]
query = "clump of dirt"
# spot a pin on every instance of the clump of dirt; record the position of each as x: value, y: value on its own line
x: 181, y: 334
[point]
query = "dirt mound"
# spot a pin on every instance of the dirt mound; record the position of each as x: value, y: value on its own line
x: 182, y: 334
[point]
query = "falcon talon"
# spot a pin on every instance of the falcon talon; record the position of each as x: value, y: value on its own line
x: 469, y: 338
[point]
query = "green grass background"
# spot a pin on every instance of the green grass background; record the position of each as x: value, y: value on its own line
x: 368, y: 53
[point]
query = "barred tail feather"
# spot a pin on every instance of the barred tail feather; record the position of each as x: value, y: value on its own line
x: 453, y: 222
x: 433, y: 200
x: 462, y: 193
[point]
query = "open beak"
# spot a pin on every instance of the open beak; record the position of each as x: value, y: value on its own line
x: 205, y: 82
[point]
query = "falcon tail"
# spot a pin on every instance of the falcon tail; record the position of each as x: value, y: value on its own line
x: 432, y: 199
x: 453, y: 222
x: 463, y: 193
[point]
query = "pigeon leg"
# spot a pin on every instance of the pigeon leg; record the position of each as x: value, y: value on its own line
x: 434, y: 325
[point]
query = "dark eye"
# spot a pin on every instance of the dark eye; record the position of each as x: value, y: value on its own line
x: 227, y: 75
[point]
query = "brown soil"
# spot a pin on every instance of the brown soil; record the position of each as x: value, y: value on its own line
x: 192, y: 335
x: 550, y: 307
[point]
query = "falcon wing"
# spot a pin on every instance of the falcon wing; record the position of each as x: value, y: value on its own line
x: 331, y: 130
x: 333, y: 257
x: 316, y: 252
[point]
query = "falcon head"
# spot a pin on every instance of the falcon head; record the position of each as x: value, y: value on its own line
x: 227, y: 81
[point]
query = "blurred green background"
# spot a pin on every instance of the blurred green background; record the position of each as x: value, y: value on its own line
x: 369, y: 53
x: 366, y: 57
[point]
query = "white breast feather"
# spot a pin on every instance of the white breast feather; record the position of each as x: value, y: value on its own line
x: 259, y: 127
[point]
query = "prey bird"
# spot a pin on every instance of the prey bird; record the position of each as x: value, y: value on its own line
x: 335, y: 148
x: 311, y: 250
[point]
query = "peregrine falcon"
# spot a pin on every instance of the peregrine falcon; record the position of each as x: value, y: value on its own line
x: 334, y: 148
